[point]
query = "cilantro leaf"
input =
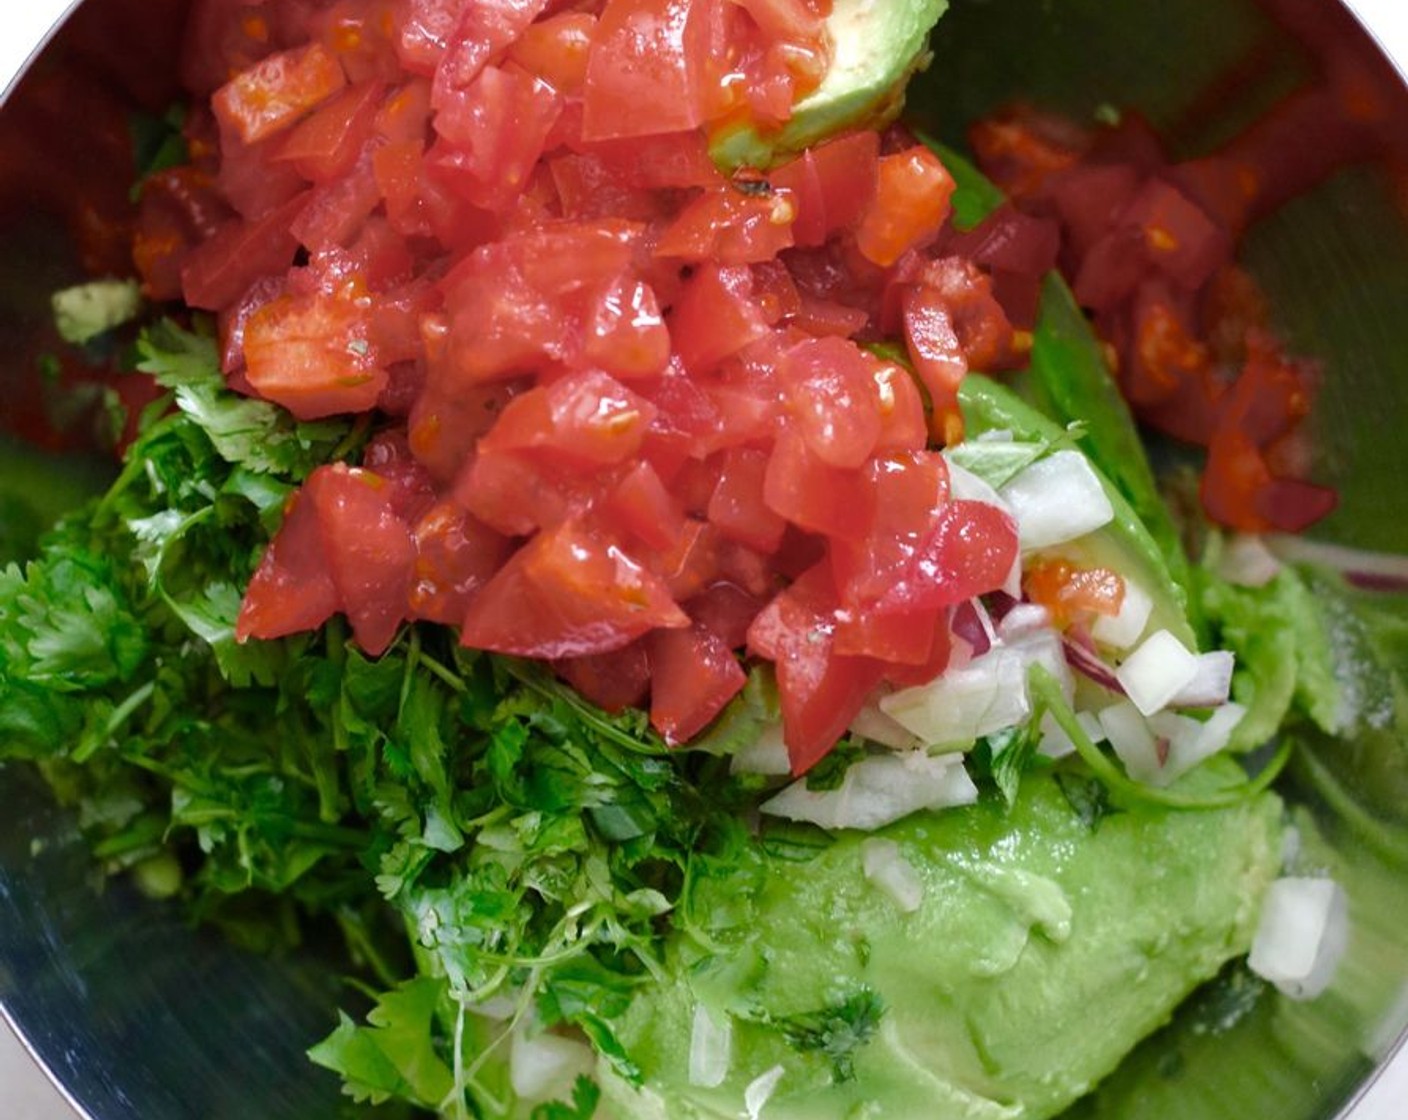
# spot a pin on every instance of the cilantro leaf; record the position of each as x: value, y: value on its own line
x: 836, y: 1031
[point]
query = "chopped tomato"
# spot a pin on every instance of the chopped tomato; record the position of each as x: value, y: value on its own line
x: 568, y: 592
x: 292, y: 589
x: 693, y: 674
x: 278, y: 90
x: 832, y: 183
x: 643, y: 75
x: 1072, y: 593
x: 910, y: 203
x: 327, y: 144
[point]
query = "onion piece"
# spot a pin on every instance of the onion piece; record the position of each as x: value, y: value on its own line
x: 1134, y: 743
x: 1302, y: 934
x: 1385, y: 571
x: 884, y: 865
x: 973, y: 624
x: 1045, y: 648
x: 964, y: 485
x: 1246, y: 561
x: 1023, y: 619
x: 1212, y: 684
x: 1122, y: 629
x: 877, y: 790
x: 1086, y: 662
x: 760, y: 1091
x: 956, y: 708
x: 710, y: 1049
x: 1055, y: 743
x: 873, y: 724
x: 766, y: 755
x: 1154, y: 673
x: 1057, y: 499
x: 1192, y: 741
x: 542, y: 1066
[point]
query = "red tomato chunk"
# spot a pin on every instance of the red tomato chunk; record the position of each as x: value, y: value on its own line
x: 626, y: 418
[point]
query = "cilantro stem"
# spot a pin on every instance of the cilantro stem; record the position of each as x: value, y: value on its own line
x: 1048, y: 695
x: 120, y: 715
x: 530, y: 677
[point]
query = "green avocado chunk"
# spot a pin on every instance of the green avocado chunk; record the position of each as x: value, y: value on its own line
x: 1043, y: 946
x: 877, y: 45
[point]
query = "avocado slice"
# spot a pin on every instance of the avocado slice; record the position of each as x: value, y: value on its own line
x: 878, y: 44
x: 1043, y: 947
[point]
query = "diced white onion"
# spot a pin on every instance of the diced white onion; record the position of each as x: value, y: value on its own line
x: 710, y: 1049
x: 497, y: 1009
x: 877, y: 790
x: 760, y: 1091
x: 964, y: 485
x: 766, y: 755
x: 1134, y: 743
x: 884, y: 865
x: 956, y: 708
x: 1247, y: 561
x: 1154, y: 673
x: 1191, y: 741
x: 545, y: 1065
x: 875, y: 725
x: 1057, y: 499
x: 1045, y: 648
x: 1123, y: 629
x: 1212, y: 684
x: 1301, y: 936
x: 1023, y: 619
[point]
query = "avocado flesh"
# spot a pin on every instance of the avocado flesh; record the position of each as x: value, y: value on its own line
x: 1042, y: 951
x: 877, y: 45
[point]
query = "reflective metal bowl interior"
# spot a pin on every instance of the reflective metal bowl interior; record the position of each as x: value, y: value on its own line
x: 138, y: 1015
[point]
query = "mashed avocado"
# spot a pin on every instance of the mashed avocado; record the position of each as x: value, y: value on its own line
x: 1042, y: 946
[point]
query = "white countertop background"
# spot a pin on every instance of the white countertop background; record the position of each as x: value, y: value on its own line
x: 25, y: 1093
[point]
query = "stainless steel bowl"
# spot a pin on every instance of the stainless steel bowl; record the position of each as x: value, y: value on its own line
x: 136, y: 1015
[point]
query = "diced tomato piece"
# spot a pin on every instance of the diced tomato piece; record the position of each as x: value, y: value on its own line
x: 833, y: 398
x: 405, y: 114
x: 427, y: 28
x: 220, y: 270
x: 940, y: 656
x: 513, y: 494
x: 728, y: 610
x: 985, y: 335
x: 612, y: 681
x: 937, y: 355
x: 1072, y: 593
x: 275, y: 92
x: 485, y: 29
x: 832, y: 183
x: 814, y: 495
x: 902, y: 423
x: 455, y: 556
x: 910, y: 204
x: 313, y: 355
x: 625, y: 333
x: 338, y: 210
x: 693, y: 674
x: 715, y: 316
x: 644, y: 71
x: 410, y: 489
x: 970, y: 551
x: 370, y: 552
x: 362, y: 34
x: 580, y: 420
x: 292, y: 589
x: 729, y: 225
x: 557, y: 50
x: 737, y: 507
x: 692, y: 562
x: 328, y: 143
x: 641, y: 506
x: 570, y: 591
x: 493, y: 134
x: 893, y: 638
x: 819, y: 690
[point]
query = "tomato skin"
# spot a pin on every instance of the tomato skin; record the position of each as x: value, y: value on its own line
x: 715, y: 316
x: 643, y: 74
x: 370, y: 552
x: 292, y: 589
x: 937, y: 355
x: 582, y: 420
x: 969, y: 551
x: 612, y: 681
x: 557, y: 49
x: 625, y: 333
x: 693, y: 674
x: 312, y: 355
x: 814, y: 495
x: 485, y: 29
x: 728, y: 226
x: 737, y: 506
x: 832, y: 183
x: 569, y: 592
x: 275, y: 92
x: 911, y: 202
x: 819, y: 690
x: 327, y: 144
x: 455, y: 556
x: 641, y: 506
x: 221, y: 269
x: 833, y: 399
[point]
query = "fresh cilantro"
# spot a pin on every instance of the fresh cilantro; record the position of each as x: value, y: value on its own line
x: 1006, y: 755
x: 158, y: 143
x: 830, y: 772
x: 836, y: 1031
x: 998, y: 461
x: 585, y: 1097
